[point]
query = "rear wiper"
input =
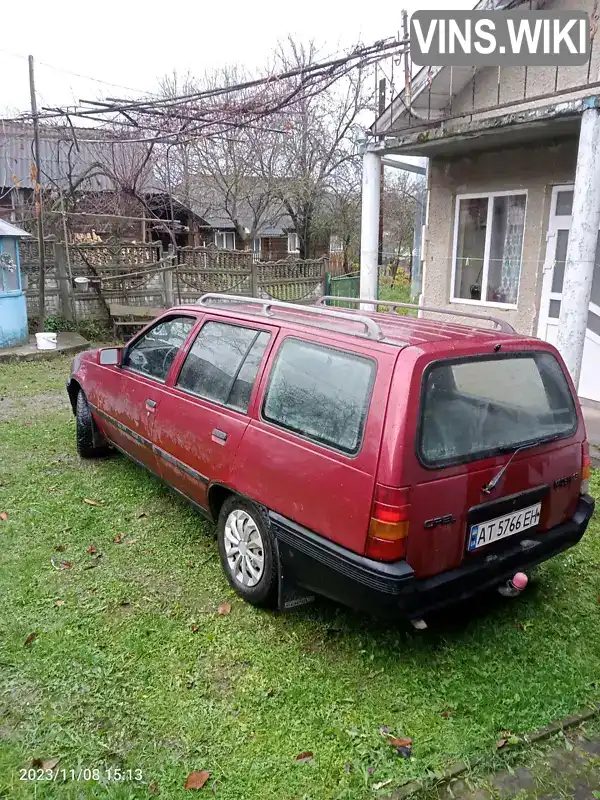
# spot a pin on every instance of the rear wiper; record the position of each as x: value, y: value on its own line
x: 491, y: 485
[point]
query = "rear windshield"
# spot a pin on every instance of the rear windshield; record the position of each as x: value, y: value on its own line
x: 480, y: 407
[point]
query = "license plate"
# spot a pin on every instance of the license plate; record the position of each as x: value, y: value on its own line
x: 492, y: 530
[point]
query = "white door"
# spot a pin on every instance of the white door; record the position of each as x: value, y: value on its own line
x: 554, y: 270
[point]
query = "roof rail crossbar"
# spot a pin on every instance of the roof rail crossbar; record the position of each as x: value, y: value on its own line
x: 372, y: 329
x: 499, y: 323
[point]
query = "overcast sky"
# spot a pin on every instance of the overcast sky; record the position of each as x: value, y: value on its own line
x: 133, y: 43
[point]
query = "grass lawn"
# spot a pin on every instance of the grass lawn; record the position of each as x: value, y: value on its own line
x: 132, y: 667
x: 397, y: 291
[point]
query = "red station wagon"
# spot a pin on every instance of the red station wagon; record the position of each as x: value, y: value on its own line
x: 391, y: 463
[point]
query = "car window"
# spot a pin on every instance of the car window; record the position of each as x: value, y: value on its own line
x: 154, y: 352
x: 476, y: 408
x: 321, y: 393
x: 223, y: 363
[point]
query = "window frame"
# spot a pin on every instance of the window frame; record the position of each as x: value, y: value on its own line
x: 293, y: 236
x: 4, y: 292
x: 224, y: 235
x: 494, y: 452
x: 336, y: 243
x: 486, y: 255
x: 126, y: 367
x: 234, y: 324
x: 305, y: 437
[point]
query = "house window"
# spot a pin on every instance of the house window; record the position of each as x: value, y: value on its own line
x: 9, y: 269
x: 488, y: 248
x: 336, y: 244
x: 293, y: 243
x: 225, y: 240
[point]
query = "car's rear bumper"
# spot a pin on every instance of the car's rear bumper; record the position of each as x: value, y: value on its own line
x: 322, y: 567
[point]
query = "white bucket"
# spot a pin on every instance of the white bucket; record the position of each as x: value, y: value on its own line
x: 45, y: 341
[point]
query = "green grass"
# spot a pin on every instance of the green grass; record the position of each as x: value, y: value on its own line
x: 117, y: 677
x: 396, y: 291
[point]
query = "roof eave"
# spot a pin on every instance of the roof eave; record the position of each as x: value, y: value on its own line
x: 552, y: 121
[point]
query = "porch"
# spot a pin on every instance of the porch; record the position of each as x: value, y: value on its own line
x: 512, y: 196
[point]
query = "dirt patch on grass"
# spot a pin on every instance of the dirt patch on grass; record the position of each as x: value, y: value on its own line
x: 33, y: 407
x: 19, y: 700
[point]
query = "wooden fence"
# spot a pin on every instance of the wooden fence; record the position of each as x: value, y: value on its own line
x: 156, y: 277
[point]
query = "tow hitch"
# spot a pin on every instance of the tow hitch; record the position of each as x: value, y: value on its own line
x: 514, y: 586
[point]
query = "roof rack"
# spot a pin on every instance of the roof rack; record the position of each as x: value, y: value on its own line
x: 499, y: 323
x: 372, y: 329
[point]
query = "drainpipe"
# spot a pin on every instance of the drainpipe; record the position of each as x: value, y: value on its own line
x: 369, y: 230
x: 581, y: 250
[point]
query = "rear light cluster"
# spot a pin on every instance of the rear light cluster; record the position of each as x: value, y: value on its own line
x: 388, y: 529
x: 586, y: 468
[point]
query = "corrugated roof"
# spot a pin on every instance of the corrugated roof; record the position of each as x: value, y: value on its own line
x: 6, y: 229
x: 60, y: 157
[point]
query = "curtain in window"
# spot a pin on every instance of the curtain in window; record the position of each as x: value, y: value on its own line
x: 513, y: 246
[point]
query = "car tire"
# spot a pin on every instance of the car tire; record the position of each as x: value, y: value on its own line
x: 252, y: 568
x: 90, y: 442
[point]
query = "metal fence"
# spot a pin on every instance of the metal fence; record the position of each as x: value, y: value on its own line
x: 342, y: 286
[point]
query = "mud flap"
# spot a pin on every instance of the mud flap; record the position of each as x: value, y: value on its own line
x: 290, y: 595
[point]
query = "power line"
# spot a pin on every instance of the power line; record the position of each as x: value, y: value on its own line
x: 70, y: 72
x: 177, y: 120
x: 309, y: 74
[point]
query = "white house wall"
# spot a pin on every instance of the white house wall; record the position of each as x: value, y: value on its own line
x: 532, y: 168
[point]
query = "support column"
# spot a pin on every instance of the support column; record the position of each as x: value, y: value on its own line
x: 369, y: 230
x: 63, y: 280
x: 416, y: 283
x: 581, y: 251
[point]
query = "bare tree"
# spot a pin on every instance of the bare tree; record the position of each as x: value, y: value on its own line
x: 228, y: 174
x: 402, y: 192
x: 79, y: 179
x: 319, y: 140
x: 345, y: 209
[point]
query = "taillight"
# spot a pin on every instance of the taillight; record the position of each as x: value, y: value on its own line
x: 586, y: 467
x: 388, y: 528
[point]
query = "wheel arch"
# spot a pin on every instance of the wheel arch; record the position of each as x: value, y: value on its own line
x: 73, y: 389
x: 217, y: 495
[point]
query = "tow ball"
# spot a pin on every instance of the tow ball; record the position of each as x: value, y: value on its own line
x: 514, y: 586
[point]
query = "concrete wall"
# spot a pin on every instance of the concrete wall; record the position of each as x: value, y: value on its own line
x: 533, y: 168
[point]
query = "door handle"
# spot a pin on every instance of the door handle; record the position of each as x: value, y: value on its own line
x: 220, y: 436
x: 150, y: 405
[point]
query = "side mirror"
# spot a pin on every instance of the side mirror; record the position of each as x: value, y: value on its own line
x: 110, y: 356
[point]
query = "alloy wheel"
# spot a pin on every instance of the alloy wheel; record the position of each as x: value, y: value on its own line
x: 244, y: 548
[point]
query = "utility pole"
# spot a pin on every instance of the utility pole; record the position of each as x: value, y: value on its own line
x: 381, y: 104
x: 39, y: 211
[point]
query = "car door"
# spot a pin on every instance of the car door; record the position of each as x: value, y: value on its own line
x: 199, y: 429
x: 311, y: 450
x: 130, y: 407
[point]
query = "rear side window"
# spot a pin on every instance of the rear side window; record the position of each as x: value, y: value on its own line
x: 320, y: 393
x: 479, y: 407
x: 223, y: 363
